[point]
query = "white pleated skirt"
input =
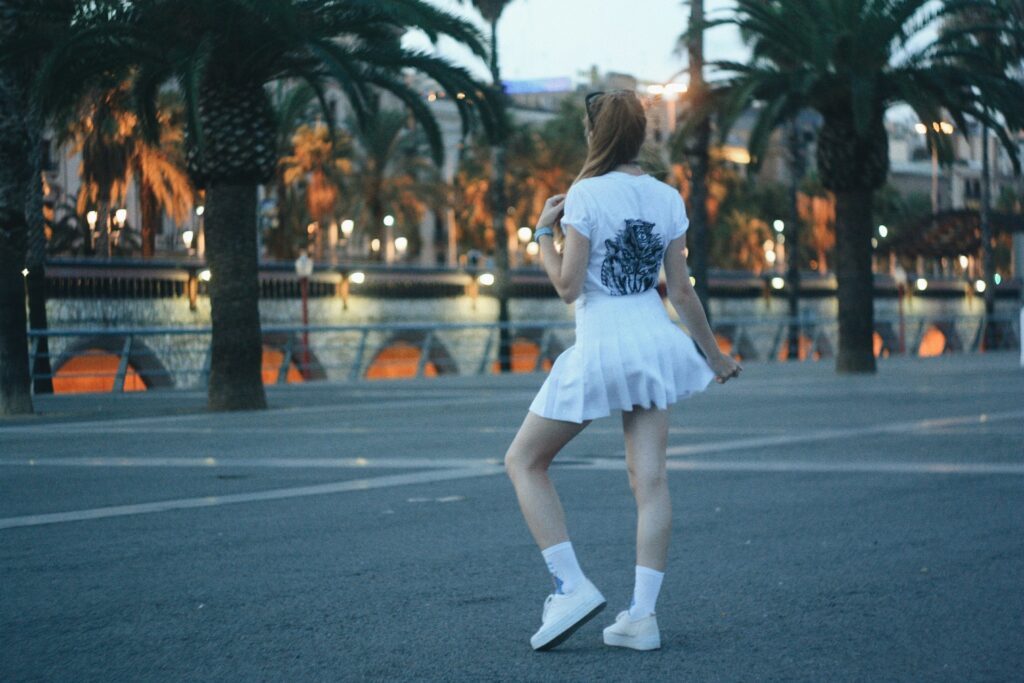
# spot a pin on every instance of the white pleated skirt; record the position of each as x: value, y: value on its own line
x: 628, y: 353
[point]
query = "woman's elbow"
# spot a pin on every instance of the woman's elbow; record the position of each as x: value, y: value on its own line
x: 569, y: 294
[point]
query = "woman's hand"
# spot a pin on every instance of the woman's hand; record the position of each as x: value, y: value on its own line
x: 553, y: 209
x: 725, y: 367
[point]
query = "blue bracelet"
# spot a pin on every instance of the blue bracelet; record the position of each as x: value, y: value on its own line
x: 540, y: 232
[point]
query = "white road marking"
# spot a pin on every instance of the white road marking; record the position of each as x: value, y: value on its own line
x: 796, y: 466
x: 269, y: 463
x: 273, y: 494
x: 103, y: 426
x: 845, y: 433
x: 459, y: 468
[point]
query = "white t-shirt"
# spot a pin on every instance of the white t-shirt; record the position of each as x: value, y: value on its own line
x: 629, y: 221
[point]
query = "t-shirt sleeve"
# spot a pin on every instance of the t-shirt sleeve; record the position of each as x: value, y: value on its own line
x: 579, y: 212
x: 680, y: 221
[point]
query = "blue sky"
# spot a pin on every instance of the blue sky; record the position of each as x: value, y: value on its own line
x: 550, y: 38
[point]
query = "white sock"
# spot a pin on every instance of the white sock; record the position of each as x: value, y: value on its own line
x: 564, y: 567
x: 645, y: 592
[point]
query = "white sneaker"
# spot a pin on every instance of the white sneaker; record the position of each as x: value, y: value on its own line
x: 642, y: 634
x: 564, y: 613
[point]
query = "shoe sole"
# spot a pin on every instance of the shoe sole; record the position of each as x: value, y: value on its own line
x: 616, y: 640
x: 571, y: 629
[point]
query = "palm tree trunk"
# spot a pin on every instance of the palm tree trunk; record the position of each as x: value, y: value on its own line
x: 150, y: 210
x: 237, y: 347
x: 698, y: 230
x: 798, y: 166
x: 856, y: 287
x: 499, y: 211
x: 15, y: 382
x: 36, y: 259
x: 987, y: 256
x: 15, y: 379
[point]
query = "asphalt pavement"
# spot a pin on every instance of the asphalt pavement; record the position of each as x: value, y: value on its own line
x: 827, y: 528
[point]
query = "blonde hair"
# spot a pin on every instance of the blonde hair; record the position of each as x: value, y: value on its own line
x: 617, y: 126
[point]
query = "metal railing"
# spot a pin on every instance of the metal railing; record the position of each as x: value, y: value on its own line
x: 125, y: 359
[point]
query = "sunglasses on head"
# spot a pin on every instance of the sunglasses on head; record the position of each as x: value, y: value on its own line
x: 588, y: 103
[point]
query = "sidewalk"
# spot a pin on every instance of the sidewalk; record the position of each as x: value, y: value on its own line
x: 827, y: 528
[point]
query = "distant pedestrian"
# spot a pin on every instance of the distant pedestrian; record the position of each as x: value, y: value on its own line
x: 620, y: 226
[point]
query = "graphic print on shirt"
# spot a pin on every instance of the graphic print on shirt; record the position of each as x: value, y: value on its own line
x: 633, y: 259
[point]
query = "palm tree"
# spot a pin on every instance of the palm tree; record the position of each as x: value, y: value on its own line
x: 851, y: 60
x: 318, y: 164
x: 114, y: 153
x: 542, y: 161
x: 491, y: 11
x: 28, y: 28
x: 222, y: 54
x: 1007, y: 50
x: 294, y: 106
x: 390, y: 174
x: 697, y: 152
x: 15, y: 175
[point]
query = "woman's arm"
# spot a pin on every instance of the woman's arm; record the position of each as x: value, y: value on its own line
x: 567, y: 270
x: 688, y: 306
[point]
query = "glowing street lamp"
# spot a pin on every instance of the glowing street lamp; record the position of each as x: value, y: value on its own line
x: 525, y: 234
x: 347, y: 226
x: 389, y: 240
x: 401, y: 244
x: 304, y: 269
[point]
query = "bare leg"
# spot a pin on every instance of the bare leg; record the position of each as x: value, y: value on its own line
x: 534, y: 447
x: 646, y: 432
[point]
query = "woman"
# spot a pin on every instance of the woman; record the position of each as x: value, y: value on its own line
x: 620, y: 226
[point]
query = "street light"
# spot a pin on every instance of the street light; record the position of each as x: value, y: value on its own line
x: 91, y: 217
x: 525, y: 234
x: 304, y: 269
x: 883, y: 231
x: 389, y: 241
x: 347, y: 226
x: 401, y: 244
x: 899, y: 275
x: 779, y: 225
